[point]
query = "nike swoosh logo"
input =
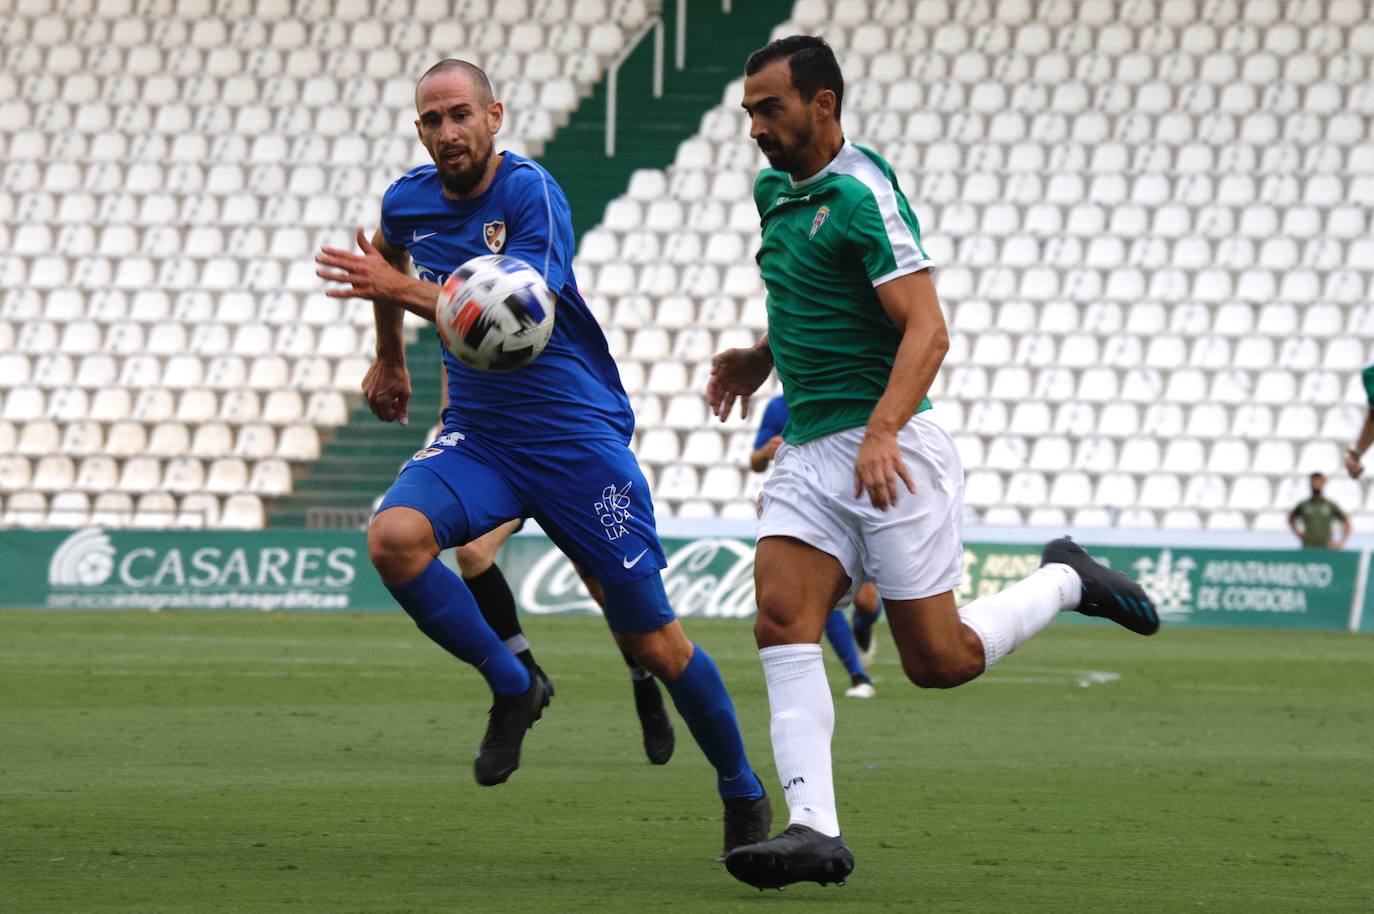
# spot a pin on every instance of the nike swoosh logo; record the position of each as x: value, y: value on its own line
x: 632, y: 562
x: 416, y: 236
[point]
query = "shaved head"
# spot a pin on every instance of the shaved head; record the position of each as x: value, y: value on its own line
x: 457, y: 122
x: 476, y: 77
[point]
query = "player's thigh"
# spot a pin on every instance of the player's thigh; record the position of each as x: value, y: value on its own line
x: 459, y: 493
x: 915, y: 548
x: 810, y: 550
x: 592, y: 500
x: 480, y: 554
x: 936, y: 648
x: 796, y: 586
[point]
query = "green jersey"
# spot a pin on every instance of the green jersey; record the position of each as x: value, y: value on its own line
x: 1368, y: 377
x: 828, y: 242
x: 1317, y: 515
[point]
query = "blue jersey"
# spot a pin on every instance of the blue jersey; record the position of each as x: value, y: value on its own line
x: 774, y: 418
x: 573, y: 388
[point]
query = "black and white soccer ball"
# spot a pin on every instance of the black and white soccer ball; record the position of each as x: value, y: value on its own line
x: 495, y: 313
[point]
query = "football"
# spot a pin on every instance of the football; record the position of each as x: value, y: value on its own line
x: 495, y: 313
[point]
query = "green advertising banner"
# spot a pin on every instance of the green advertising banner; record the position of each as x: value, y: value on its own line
x: 711, y: 577
x: 94, y: 568
x: 1365, y: 620
x: 1211, y: 587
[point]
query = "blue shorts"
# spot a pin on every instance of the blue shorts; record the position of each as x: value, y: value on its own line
x: 590, y: 497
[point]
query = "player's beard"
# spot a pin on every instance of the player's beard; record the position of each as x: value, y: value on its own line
x: 460, y: 182
x: 784, y: 156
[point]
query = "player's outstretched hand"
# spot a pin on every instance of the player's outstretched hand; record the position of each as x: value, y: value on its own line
x: 877, y: 469
x: 366, y: 275
x: 735, y: 375
x: 1353, y: 465
x: 387, y: 388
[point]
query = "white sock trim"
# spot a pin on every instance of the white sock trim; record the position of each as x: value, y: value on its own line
x: 517, y: 643
x: 789, y: 661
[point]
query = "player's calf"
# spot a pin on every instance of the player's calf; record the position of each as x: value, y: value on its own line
x: 937, y: 650
x: 942, y: 672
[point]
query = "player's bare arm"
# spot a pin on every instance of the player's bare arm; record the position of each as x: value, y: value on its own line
x: 735, y: 375
x: 1293, y: 517
x: 376, y: 275
x: 443, y: 389
x: 759, y: 460
x: 1353, y: 457
x: 911, y: 303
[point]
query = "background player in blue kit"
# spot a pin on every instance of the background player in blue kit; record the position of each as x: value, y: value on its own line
x: 855, y: 649
x: 548, y: 441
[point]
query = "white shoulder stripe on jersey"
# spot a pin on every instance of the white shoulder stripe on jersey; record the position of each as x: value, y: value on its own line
x: 906, y: 250
x: 548, y: 215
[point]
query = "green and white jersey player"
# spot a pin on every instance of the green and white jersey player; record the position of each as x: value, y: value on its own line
x: 1356, y: 451
x: 867, y: 484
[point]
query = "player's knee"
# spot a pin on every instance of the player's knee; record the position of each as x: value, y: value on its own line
x: 866, y: 600
x: 777, y: 622
x: 473, y: 559
x: 400, y: 545
x: 658, y: 652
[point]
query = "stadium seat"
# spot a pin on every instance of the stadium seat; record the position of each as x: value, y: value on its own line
x: 53, y: 473
x: 154, y: 510
x: 182, y: 475
x: 226, y: 476
x: 270, y: 477
x: 25, y: 509
x: 111, y: 509
x: 38, y: 438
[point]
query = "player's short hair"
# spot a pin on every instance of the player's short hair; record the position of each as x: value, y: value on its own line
x: 811, y: 61
x: 475, y: 74
x: 1314, y: 476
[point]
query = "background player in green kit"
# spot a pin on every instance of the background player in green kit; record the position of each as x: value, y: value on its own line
x: 1312, y: 519
x: 866, y: 483
x: 1366, y: 437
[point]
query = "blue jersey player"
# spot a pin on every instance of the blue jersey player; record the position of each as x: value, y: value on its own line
x: 548, y: 441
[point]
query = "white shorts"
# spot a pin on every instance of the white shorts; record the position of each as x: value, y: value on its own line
x: 911, y: 551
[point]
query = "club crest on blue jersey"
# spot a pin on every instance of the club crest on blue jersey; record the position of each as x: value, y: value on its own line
x: 494, y: 234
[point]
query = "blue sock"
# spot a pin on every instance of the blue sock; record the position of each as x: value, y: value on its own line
x: 700, y: 696
x: 842, y: 640
x: 443, y: 608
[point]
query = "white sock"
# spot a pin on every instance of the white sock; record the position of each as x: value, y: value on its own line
x: 1007, y: 620
x: 803, y: 722
x: 517, y: 643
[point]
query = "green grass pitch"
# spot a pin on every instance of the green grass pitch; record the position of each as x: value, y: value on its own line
x: 260, y: 763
